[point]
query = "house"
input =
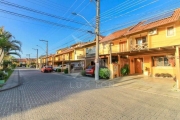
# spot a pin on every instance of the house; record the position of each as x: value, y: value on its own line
x: 110, y: 47
x: 153, y: 44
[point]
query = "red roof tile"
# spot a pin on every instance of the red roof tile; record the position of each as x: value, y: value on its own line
x: 141, y: 26
x: 115, y: 35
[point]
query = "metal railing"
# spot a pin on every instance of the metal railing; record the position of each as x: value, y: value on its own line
x: 135, y: 47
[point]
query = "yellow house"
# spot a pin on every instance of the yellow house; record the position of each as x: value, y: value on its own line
x: 110, y: 47
x: 153, y: 45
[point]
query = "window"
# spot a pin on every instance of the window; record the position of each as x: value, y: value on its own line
x: 170, y: 31
x: 140, y: 40
x: 162, y: 61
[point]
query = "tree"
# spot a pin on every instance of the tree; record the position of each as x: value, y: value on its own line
x: 8, y: 45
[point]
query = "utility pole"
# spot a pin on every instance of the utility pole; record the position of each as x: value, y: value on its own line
x: 29, y: 58
x: 36, y: 58
x: 46, y: 50
x: 97, y: 40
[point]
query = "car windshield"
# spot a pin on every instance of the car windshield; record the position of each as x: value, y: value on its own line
x: 90, y: 67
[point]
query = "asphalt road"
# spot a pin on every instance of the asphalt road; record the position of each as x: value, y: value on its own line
x: 53, y: 96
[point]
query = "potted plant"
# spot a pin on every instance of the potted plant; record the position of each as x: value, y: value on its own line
x: 146, y: 71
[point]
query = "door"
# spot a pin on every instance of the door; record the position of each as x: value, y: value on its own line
x: 139, y: 65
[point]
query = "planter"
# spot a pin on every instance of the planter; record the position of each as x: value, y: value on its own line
x: 2, y: 81
x: 146, y: 73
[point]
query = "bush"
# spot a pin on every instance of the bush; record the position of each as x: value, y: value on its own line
x: 104, y: 73
x: 125, y: 70
x: 13, y: 66
x: 66, y: 71
x: 83, y: 73
x: 2, y: 75
x: 58, y: 70
x: 157, y: 75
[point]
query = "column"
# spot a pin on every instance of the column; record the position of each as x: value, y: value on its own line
x: 177, y: 67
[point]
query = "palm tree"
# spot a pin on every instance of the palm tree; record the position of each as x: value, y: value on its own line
x: 8, y: 45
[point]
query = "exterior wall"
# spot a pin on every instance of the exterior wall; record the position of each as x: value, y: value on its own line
x: 170, y: 70
x: 161, y: 39
x: 104, y: 48
x: 78, y: 52
x: 152, y: 70
x: 115, y: 47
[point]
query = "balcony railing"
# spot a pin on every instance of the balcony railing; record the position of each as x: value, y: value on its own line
x: 136, y: 47
x: 80, y: 56
x: 90, y: 55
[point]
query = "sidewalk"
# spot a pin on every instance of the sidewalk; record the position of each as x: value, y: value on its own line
x: 12, y: 82
x: 161, y: 86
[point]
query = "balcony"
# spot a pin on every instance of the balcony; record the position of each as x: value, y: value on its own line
x: 90, y: 55
x: 137, y: 47
x: 80, y: 56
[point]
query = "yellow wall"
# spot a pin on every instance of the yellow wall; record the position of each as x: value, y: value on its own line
x: 161, y: 39
x: 79, y: 52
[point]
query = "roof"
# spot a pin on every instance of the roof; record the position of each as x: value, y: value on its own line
x: 142, y: 26
x: 115, y: 35
x: 67, y: 50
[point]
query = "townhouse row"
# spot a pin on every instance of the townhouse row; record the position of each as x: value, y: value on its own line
x: 149, y: 47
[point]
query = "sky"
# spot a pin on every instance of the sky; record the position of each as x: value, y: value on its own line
x: 32, y: 20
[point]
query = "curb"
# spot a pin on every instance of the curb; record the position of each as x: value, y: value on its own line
x: 19, y: 83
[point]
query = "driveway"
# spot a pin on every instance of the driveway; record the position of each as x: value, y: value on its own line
x: 51, y: 96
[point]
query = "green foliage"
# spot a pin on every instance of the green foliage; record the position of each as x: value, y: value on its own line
x: 58, y: 70
x: 3, y: 76
x: 125, y: 70
x: 8, y: 45
x: 13, y: 66
x: 66, y: 71
x: 104, y: 73
x: 83, y: 73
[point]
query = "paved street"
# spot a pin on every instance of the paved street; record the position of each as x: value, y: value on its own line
x: 53, y: 96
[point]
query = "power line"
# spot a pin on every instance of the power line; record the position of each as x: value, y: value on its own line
x: 41, y: 20
x: 39, y: 12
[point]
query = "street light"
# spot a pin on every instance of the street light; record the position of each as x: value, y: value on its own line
x: 46, y: 50
x: 37, y: 58
x: 97, y: 37
x: 29, y: 58
x: 84, y: 19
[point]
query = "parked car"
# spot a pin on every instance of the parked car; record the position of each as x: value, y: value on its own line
x: 90, y: 70
x: 60, y: 67
x: 46, y: 69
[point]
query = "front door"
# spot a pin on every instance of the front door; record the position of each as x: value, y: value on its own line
x: 138, y: 65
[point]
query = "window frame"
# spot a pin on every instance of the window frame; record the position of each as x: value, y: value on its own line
x: 174, y: 31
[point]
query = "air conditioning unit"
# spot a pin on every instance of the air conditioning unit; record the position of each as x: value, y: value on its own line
x: 153, y: 31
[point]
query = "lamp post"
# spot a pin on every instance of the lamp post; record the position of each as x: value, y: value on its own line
x: 29, y: 59
x: 97, y: 37
x: 36, y: 58
x: 46, y: 50
x: 84, y: 19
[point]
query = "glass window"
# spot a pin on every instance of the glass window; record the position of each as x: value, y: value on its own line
x: 140, y: 40
x: 170, y: 31
x: 161, y: 61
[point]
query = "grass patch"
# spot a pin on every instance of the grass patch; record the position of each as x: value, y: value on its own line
x: 10, y: 71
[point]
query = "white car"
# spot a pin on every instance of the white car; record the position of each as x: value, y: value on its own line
x: 60, y: 67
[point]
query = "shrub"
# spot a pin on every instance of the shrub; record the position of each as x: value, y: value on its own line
x: 2, y: 75
x: 66, y: 71
x: 157, y: 75
x: 58, y: 70
x: 125, y: 70
x: 104, y: 73
x: 13, y: 66
x: 83, y: 73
